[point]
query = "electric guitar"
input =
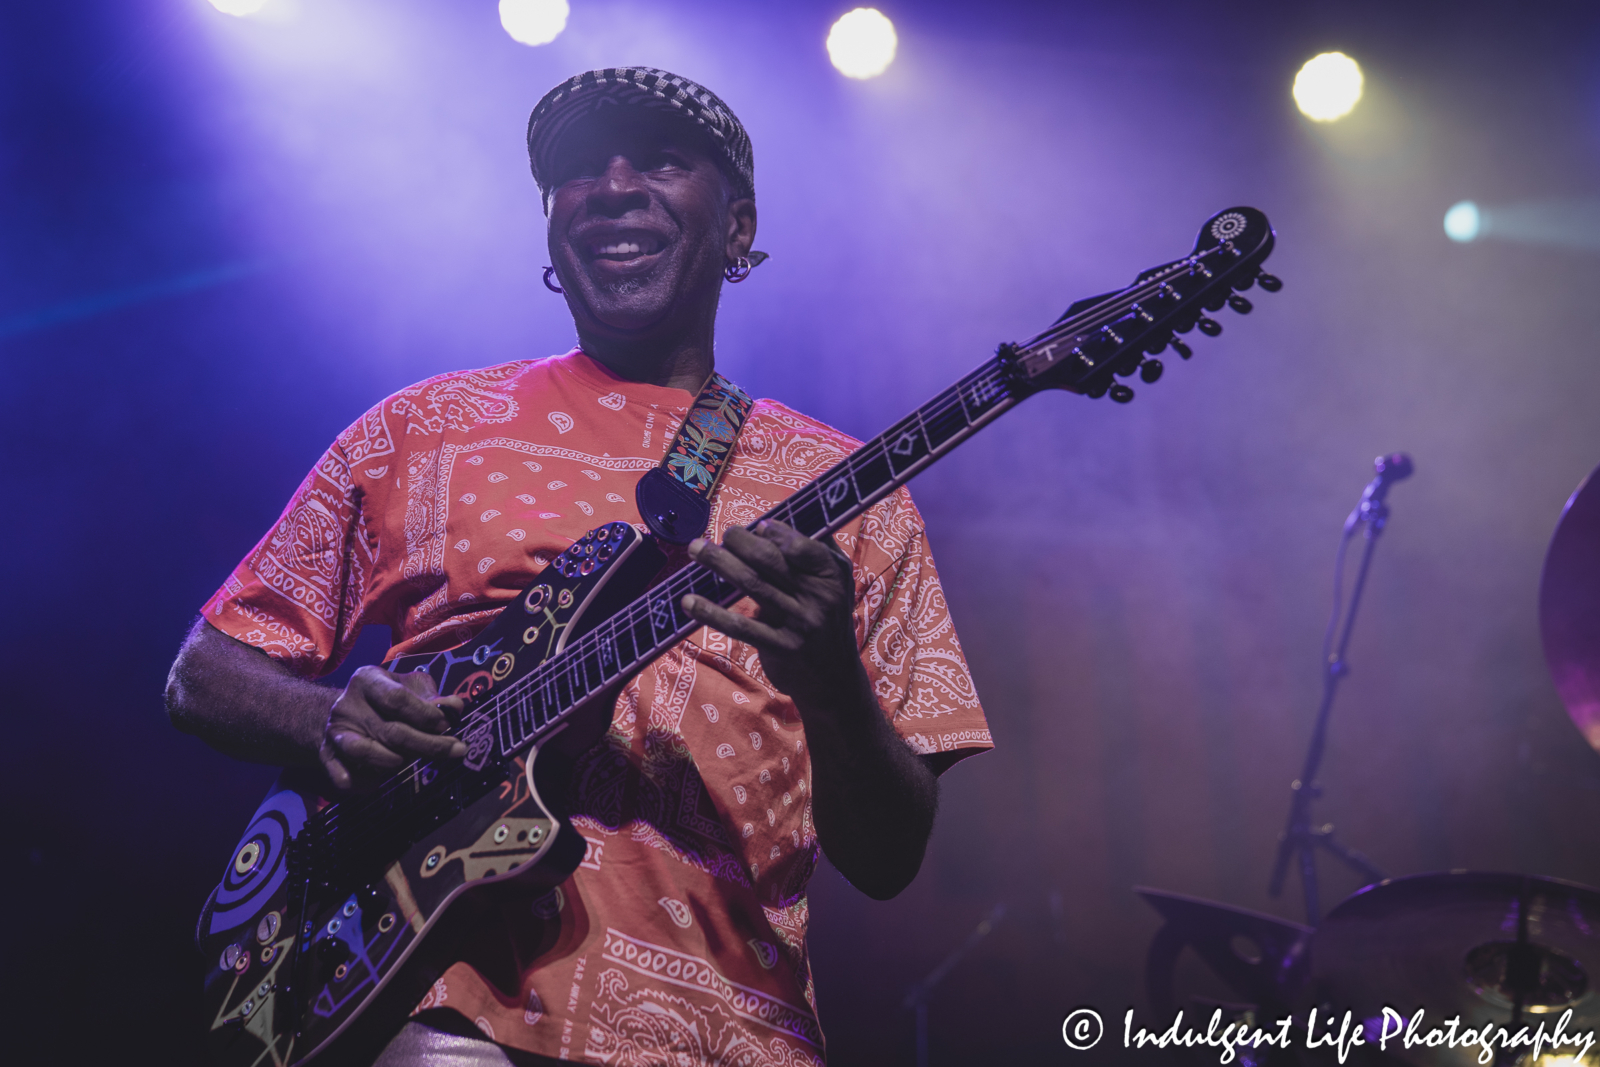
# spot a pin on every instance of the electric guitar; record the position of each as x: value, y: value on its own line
x: 335, y: 914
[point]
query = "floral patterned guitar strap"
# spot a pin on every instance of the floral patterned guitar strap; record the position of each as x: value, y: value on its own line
x: 675, y: 497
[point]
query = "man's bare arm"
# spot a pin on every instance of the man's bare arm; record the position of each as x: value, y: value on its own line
x: 872, y: 797
x: 246, y: 704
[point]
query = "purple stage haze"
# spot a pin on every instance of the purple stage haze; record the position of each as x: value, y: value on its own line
x: 223, y: 239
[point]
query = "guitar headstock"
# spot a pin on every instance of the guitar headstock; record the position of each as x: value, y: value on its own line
x: 1117, y: 335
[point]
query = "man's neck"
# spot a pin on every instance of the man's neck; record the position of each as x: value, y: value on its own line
x: 684, y: 365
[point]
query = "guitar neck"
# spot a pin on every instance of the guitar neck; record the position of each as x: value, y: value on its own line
x: 516, y: 716
x: 652, y: 624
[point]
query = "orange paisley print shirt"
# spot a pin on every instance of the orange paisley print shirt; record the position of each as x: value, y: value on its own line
x: 682, y: 935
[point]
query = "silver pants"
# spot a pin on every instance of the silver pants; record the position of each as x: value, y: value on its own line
x: 420, y: 1045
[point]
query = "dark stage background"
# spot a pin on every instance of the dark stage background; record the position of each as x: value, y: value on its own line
x: 221, y: 240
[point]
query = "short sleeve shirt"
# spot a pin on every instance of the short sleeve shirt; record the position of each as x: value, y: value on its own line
x: 681, y: 936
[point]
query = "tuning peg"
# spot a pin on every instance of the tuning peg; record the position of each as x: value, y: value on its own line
x: 1209, y: 326
x: 1121, y: 393
x: 1270, y: 282
x: 1127, y: 365
x: 1240, y: 304
x: 1181, y: 348
x: 1150, y: 370
x: 1097, y: 390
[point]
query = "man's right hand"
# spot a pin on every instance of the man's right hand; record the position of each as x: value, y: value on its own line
x: 381, y: 722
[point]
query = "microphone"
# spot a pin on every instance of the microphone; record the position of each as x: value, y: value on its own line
x: 1392, y: 468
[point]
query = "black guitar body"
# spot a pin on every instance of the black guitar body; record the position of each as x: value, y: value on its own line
x: 316, y: 945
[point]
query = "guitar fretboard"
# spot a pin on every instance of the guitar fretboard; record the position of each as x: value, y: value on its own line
x: 651, y: 625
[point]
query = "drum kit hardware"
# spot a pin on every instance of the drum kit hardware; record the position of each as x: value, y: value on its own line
x: 1448, y: 969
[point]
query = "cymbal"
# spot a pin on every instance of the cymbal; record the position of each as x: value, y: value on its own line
x: 1569, y: 607
x: 1464, y: 943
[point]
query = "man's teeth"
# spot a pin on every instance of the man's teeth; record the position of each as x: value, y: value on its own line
x: 622, y: 248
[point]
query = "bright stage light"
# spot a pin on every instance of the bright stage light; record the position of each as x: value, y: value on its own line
x: 239, y: 7
x: 533, y: 22
x: 1463, y: 222
x: 862, y: 43
x: 1327, y: 87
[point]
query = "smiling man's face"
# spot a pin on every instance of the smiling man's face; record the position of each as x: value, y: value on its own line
x: 641, y: 225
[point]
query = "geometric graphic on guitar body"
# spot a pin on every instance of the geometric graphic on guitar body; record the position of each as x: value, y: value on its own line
x: 315, y: 946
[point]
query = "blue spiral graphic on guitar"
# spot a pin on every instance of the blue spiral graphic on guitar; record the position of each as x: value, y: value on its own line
x: 255, y: 873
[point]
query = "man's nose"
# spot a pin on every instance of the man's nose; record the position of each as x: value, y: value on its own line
x: 619, y: 190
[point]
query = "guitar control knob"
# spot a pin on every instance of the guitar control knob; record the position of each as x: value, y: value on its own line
x: 1121, y: 393
x: 1150, y: 370
x: 1209, y: 326
x: 1181, y: 348
x: 1240, y: 304
x: 1270, y: 282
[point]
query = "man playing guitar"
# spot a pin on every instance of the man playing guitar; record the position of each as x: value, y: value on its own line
x: 818, y: 712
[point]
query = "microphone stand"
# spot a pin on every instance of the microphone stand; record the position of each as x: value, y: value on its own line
x: 917, y: 996
x: 1301, y: 839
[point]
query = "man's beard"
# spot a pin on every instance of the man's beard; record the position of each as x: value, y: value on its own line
x: 625, y: 286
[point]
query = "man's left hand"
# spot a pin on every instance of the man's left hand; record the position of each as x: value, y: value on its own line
x: 873, y: 799
x: 804, y: 628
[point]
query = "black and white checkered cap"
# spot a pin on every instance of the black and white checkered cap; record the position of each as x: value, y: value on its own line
x: 579, y: 96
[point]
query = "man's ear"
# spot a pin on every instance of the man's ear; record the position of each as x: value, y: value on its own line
x: 741, y: 228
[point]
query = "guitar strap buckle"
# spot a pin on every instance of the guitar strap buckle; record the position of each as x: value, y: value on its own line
x: 674, y: 497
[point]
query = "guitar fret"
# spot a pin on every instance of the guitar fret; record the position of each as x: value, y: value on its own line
x: 572, y: 671
x: 838, y: 494
x: 625, y: 653
x: 526, y: 724
x: 945, y: 426
x: 548, y: 699
x: 500, y: 734
x: 807, y: 514
x: 905, y: 444
x: 643, y: 634
x: 873, y: 473
x: 605, y: 652
x: 662, y: 620
x: 505, y: 726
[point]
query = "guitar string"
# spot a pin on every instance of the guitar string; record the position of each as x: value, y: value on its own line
x: 501, y: 707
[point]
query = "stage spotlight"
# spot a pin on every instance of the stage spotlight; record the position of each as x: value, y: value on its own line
x: 1327, y: 87
x: 239, y: 7
x: 1463, y: 222
x: 534, y: 22
x: 862, y: 43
